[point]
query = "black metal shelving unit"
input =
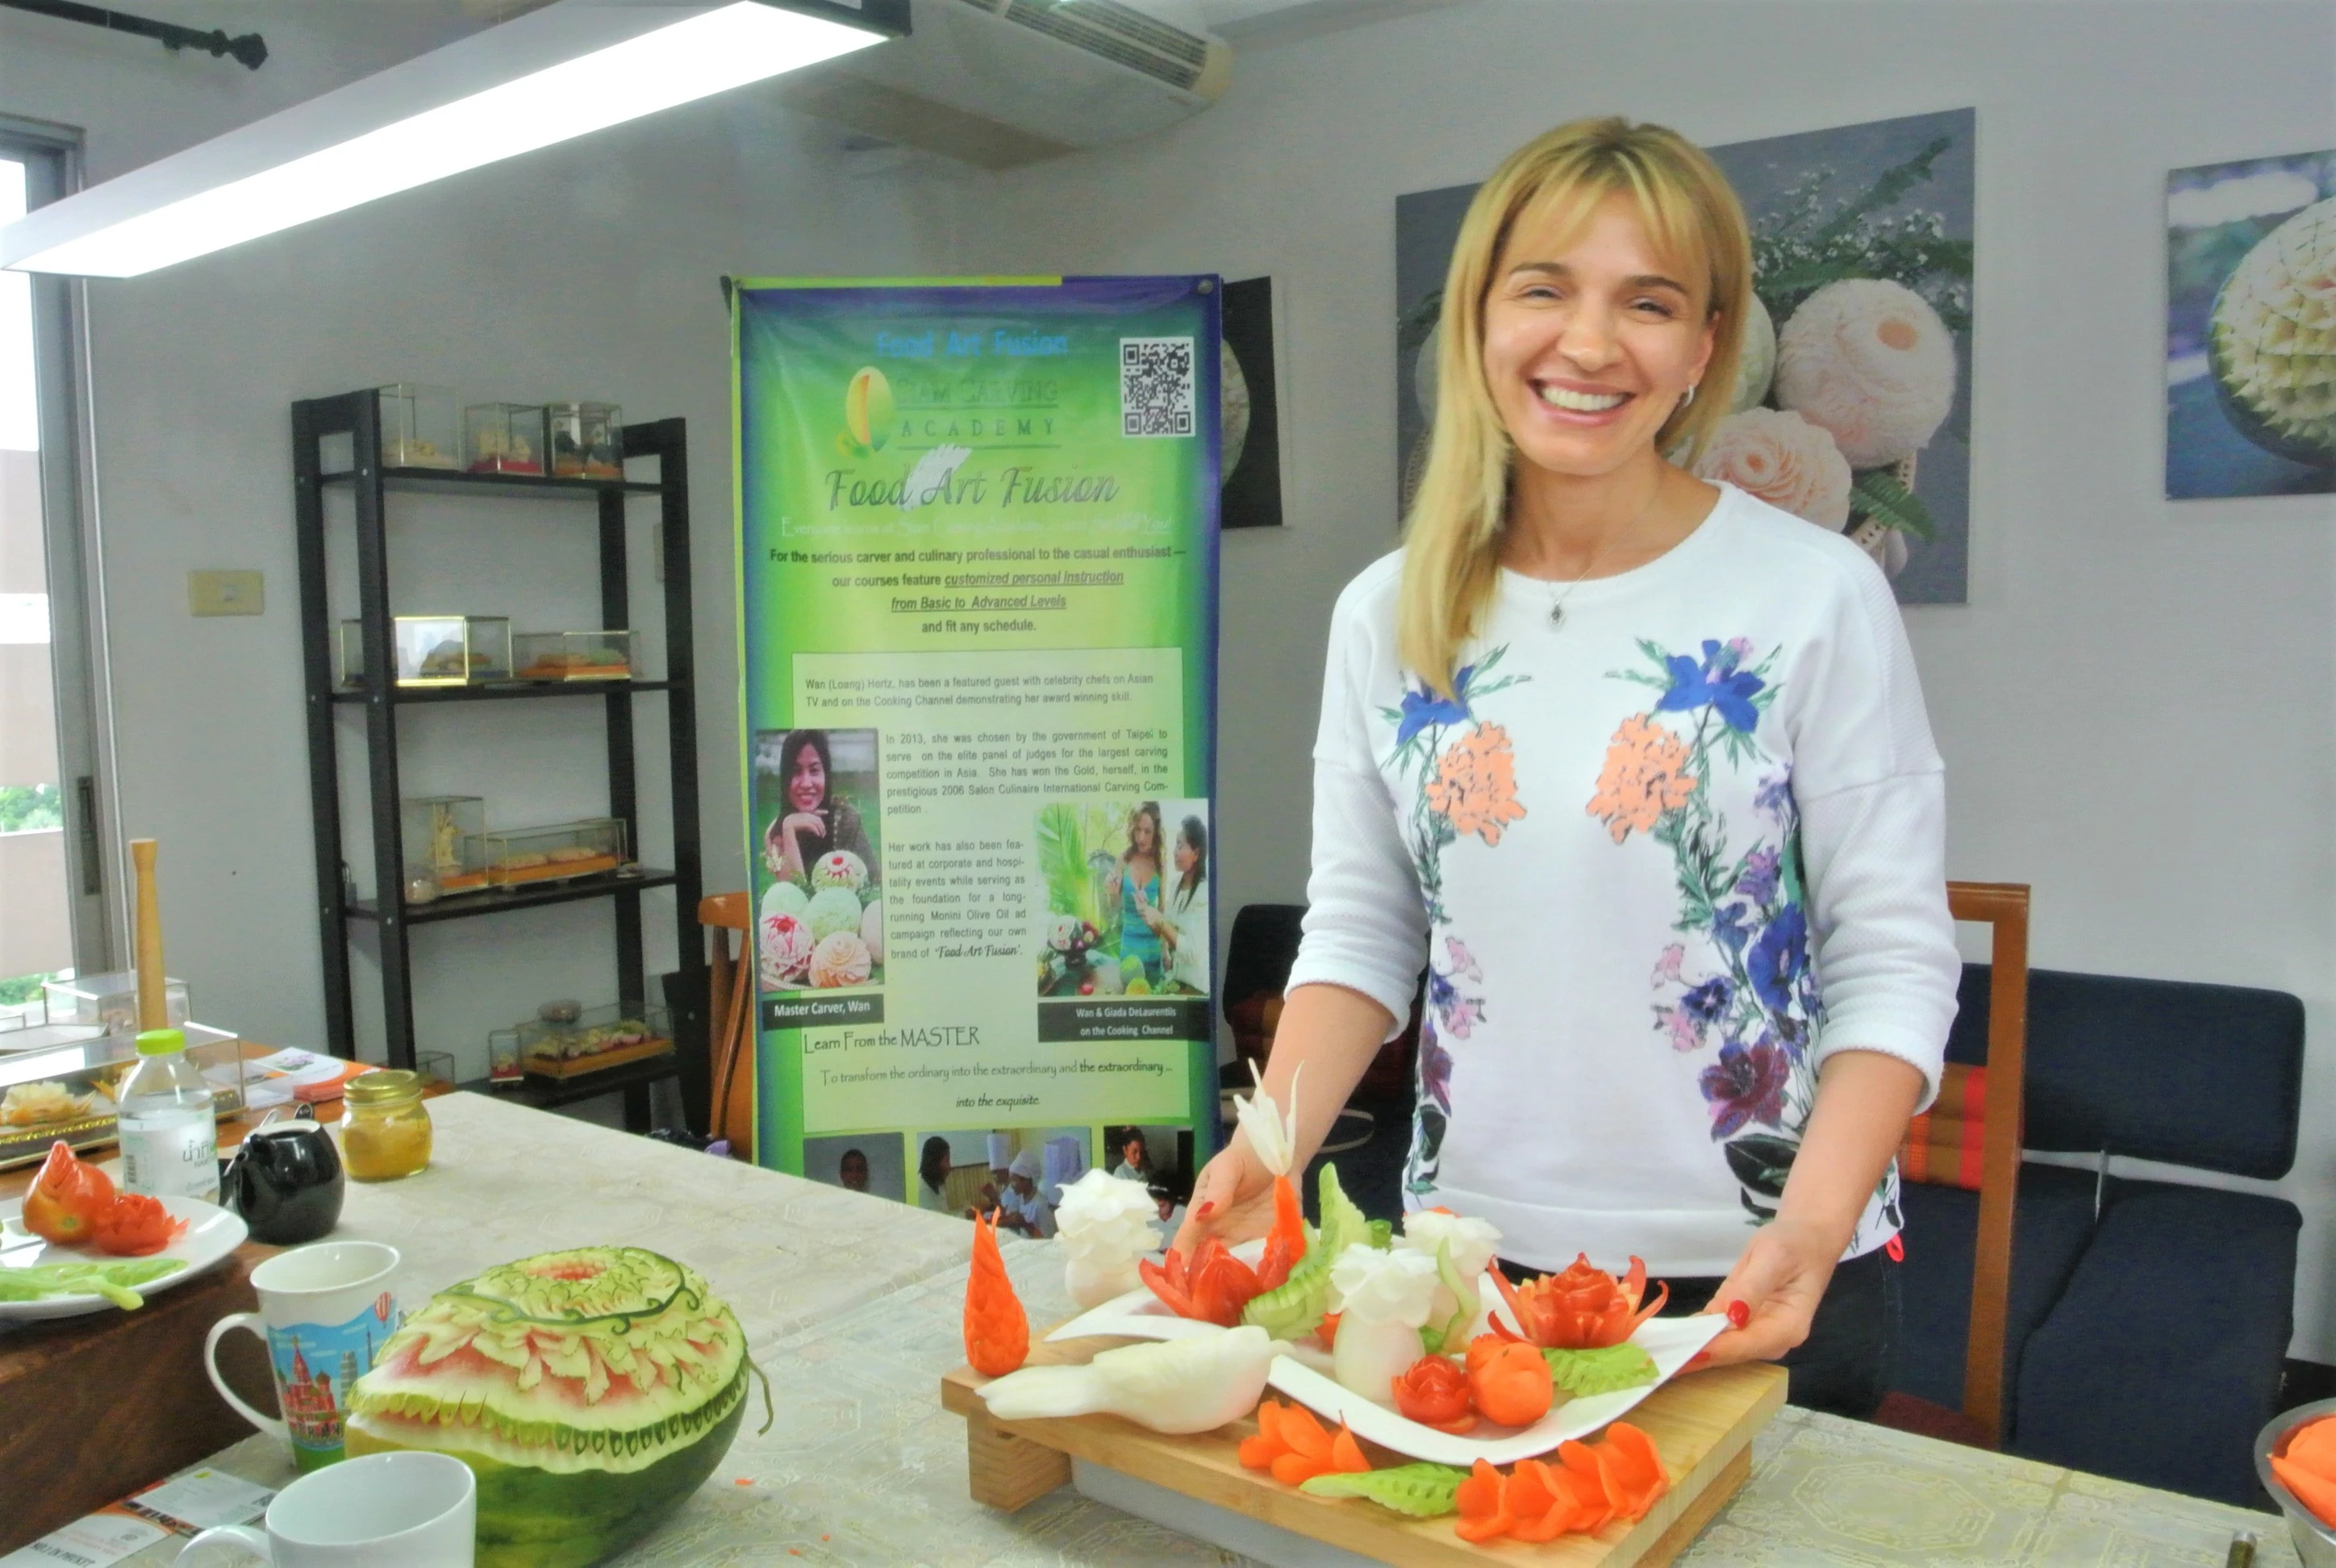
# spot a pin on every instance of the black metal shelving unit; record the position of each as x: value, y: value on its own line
x: 356, y: 414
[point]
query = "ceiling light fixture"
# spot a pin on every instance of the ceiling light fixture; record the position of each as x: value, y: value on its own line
x: 564, y: 71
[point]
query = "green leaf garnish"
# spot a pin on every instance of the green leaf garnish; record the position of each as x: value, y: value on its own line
x: 1421, y: 1491
x: 1583, y: 1373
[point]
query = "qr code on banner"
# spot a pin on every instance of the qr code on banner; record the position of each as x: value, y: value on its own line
x: 1156, y: 387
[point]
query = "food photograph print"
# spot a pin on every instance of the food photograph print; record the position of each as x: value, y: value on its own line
x: 2250, y: 329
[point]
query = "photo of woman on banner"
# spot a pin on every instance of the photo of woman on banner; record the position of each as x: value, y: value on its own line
x: 1135, y: 889
x: 812, y: 823
x: 821, y: 919
x: 933, y: 1174
x: 1186, y: 908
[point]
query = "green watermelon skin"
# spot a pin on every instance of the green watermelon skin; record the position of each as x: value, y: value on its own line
x: 532, y: 1518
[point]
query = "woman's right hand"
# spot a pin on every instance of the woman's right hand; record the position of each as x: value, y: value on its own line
x: 1232, y: 1200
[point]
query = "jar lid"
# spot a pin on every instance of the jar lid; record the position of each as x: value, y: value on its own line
x: 162, y: 1042
x: 382, y: 1086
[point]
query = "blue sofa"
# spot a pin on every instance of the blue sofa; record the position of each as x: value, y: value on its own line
x: 2147, y: 1319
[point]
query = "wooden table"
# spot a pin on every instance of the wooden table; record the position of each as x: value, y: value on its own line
x: 852, y: 1305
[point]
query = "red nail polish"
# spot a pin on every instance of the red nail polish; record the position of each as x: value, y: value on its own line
x: 1205, y: 1210
x: 1738, y: 1314
x: 1700, y: 1358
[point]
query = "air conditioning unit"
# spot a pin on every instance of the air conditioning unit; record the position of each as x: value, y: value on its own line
x: 1001, y: 83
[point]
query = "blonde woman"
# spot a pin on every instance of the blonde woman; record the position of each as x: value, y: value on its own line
x: 1639, y: 764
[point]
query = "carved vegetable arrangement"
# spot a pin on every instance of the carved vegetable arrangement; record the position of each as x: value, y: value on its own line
x: 996, y: 1329
x: 1292, y: 1443
x: 1103, y: 1225
x: 590, y: 1392
x: 1583, y: 1309
x: 1383, y: 1299
x: 1173, y: 1386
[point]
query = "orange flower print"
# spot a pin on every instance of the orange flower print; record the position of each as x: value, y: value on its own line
x: 1645, y: 775
x: 1476, y: 784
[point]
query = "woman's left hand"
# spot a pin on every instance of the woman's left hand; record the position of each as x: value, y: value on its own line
x: 1780, y: 1278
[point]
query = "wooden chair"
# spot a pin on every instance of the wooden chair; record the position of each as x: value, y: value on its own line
x: 2003, y: 908
x: 730, y: 1020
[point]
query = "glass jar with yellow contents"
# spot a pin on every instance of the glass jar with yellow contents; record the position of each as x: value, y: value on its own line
x: 385, y: 1128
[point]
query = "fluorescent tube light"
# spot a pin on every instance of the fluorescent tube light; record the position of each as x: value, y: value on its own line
x: 561, y: 71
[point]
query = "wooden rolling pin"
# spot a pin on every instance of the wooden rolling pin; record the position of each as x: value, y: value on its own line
x: 154, y: 1000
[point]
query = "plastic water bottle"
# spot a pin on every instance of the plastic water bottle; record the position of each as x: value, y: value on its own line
x: 170, y: 1138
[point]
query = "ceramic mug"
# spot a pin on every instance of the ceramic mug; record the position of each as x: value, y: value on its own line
x: 324, y: 1312
x: 380, y: 1511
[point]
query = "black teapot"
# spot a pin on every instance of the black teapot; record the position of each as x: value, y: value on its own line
x: 287, y: 1182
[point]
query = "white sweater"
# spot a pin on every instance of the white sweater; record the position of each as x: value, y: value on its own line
x: 1660, y: 860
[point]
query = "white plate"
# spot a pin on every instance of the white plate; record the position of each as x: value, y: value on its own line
x: 213, y: 1232
x: 1672, y: 1342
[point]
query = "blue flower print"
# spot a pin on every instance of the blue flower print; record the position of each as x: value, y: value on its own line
x: 1759, y: 880
x: 1707, y: 1001
x: 1776, y: 797
x: 1716, y: 683
x: 1423, y: 709
x: 1728, y: 928
x: 1778, y: 959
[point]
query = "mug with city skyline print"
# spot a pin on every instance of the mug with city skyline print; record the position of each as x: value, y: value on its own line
x: 325, y: 1310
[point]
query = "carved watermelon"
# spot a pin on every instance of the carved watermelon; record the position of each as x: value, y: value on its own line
x: 590, y: 1391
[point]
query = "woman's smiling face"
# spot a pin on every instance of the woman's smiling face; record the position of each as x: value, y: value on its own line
x: 807, y: 781
x: 1187, y: 857
x: 1589, y: 343
x: 1140, y: 834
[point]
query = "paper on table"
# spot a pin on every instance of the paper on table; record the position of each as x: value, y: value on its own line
x: 97, y: 1541
x: 201, y: 1499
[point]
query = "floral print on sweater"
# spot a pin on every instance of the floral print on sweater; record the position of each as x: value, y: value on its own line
x: 1465, y: 771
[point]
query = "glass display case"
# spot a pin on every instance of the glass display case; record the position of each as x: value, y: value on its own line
x: 443, y: 836
x: 504, y: 437
x: 572, y: 655
x: 502, y: 1056
x: 417, y: 426
x: 516, y: 857
x: 67, y: 1091
x: 109, y: 1001
x: 588, y: 440
x: 433, y: 649
x: 605, y: 1036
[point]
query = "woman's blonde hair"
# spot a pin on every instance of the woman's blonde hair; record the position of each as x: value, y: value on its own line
x: 1453, y: 535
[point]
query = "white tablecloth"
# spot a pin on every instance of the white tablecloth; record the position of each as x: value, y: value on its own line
x: 852, y: 1305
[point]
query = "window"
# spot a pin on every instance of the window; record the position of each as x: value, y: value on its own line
x: 54, y: 910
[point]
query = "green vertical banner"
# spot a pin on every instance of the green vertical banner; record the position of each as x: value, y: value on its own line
x: 977, y: 549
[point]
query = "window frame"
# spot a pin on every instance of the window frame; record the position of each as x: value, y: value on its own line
x: 74, y: 557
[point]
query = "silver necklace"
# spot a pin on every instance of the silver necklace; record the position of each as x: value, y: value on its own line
x: 1557, y: 606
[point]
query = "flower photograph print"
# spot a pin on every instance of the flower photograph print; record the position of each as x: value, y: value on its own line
x: 1852, y: 405
x: 2250, y: 327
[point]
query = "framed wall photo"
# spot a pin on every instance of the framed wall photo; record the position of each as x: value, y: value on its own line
x: 1857, y: 358
x: 2250, y: 327
x: 1252, y: 412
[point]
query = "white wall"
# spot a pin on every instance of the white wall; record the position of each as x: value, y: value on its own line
x: 2135, y: 706
x: 587, y: 270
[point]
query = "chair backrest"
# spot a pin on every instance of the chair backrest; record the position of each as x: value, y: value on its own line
x: 2003, y: 908
x: 1260, y: 952
x: 2205, y: 1075
x: 730, y: 1005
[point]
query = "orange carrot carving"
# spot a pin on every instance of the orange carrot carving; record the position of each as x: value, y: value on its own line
x: 996, y: 1329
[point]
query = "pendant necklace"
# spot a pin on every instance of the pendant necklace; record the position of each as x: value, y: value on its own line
x: 1557, y: 605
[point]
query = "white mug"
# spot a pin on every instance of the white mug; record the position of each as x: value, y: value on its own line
x: 409, y: 1510
x: 325, y: 1310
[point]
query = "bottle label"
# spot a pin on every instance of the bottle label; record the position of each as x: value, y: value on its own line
x: 174, y: 1158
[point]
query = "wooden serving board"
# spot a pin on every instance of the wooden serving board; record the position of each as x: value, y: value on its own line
x: 1701, y: 1425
